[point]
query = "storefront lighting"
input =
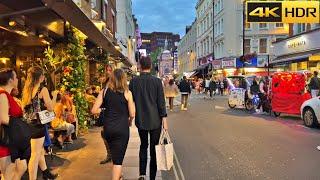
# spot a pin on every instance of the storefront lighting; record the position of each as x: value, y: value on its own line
x: 4, y: 60
x: 12, y: 23
x: 45, y: 42
x: 117, y: 47
x: 22, y: 33
x: 251, y: 70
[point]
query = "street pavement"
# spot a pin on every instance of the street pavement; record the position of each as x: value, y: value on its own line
x: 81, y: 160
x: 213, y: 142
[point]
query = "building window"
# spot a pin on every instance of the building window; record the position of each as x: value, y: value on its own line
x: 263, y: 25
x: 221, y: 26
x: 248, y: 25
x: 105, y: 9
x: 247, y: 46
x: 263, y: 45
x: 301, y: 27
x: 279, y: 25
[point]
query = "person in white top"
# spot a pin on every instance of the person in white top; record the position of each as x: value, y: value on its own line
x: 207, y: 84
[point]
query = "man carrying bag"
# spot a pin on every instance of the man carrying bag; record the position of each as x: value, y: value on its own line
x: 151, y: 115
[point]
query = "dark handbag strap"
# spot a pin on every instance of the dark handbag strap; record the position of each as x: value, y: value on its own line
x: 104, y: 96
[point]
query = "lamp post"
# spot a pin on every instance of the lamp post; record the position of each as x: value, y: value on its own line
x: 243, y: 32
x: 213, y: 54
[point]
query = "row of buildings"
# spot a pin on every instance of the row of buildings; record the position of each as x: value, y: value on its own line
x: 218, y: 39
x: 27, y: 28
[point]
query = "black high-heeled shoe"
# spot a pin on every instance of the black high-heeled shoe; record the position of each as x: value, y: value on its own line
x: 47, y: 175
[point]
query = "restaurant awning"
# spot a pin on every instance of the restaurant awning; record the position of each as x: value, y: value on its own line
x: 69, y: 11
x: 189, y: 74
x: 297, y: 57
x: 44, y: 11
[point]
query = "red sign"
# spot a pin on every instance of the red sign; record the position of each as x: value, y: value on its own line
x: 229, y: 63
x: 217, y: 64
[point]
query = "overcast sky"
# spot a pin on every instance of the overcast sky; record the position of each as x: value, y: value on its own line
x: 164, y: 15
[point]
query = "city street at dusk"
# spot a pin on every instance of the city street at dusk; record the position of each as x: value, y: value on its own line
x: 159, y: 90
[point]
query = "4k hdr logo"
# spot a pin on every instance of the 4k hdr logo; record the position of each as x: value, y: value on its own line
x: 285, y: 11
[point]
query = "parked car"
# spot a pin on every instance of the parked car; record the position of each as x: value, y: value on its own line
x: 310, y: 112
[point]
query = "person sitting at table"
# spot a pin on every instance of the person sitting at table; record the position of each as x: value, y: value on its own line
x: 59, y: 123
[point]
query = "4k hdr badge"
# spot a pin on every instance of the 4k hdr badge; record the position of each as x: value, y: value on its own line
x: 284, y: 11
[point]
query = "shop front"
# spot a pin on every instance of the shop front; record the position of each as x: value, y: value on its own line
x: 257, y: 66
x: 297, y: 53
x: 228, y: 66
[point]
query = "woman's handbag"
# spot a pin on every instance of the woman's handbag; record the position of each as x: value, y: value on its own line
x: 164, y: 152
x: 4, y: 135
x: 45, y: 116
x: 100, y: 121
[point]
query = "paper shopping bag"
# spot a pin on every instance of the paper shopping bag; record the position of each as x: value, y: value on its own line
x: 164, y: 152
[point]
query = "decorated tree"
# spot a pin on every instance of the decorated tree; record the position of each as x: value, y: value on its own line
x: 73, y: 76
x: 70, y: 61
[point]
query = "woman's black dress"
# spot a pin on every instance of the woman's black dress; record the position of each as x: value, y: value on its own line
x: 116, y: 125
x: 37, y: 104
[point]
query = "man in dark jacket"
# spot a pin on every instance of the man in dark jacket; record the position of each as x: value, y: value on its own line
x: 151, y: 115
x: 314, y: 85
x: 185, y: 92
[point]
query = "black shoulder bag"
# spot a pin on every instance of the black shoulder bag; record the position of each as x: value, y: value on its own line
x: 101, y: 118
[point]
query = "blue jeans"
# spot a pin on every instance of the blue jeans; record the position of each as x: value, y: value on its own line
x: 47, y: 140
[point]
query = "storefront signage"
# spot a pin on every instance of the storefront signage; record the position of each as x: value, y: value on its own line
x: 262, y: 61
x: 303, y: 43
x: 295, y: 43
x: 229, y: 63
x: 314, y: 57
x: 249, y: 63
x: 216, y: 64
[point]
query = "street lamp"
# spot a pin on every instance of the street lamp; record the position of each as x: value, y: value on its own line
x: 243, y: 32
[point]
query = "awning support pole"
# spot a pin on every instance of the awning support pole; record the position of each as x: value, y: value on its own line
x: 26, y: 11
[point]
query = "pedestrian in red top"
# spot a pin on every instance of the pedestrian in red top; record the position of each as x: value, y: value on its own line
x: 11, y: 167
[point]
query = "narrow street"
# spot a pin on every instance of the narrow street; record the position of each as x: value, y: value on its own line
x: 213, y: 142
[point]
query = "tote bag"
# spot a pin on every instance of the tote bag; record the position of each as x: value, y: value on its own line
x: 164, y: 152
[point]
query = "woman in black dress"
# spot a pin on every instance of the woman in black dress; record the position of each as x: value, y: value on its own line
x: 116, y: 102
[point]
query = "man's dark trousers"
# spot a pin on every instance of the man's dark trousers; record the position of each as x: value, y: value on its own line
x: 143, y: 154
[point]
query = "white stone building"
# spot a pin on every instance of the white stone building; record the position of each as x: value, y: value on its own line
x: 126, y: 29
x: 204, y: 30
x: 187, y: 55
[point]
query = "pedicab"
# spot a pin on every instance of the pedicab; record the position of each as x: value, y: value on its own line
x: 238, y: 88
x: 288, y: 92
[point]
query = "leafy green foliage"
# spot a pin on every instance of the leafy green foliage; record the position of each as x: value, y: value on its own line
x: 71, y: 60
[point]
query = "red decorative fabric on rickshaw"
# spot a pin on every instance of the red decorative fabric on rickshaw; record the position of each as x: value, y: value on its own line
x: 288, y: 103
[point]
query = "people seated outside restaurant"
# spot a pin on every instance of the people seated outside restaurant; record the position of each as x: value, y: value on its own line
x: 70, y: 112
x: 60, y: 123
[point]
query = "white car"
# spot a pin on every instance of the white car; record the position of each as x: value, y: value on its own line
x: 310, y: 112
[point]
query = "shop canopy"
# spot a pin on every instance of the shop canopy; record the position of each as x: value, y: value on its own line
x: 189, y: 74
x: 44, y: 11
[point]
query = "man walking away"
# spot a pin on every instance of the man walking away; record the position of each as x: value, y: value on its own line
x: 212, y: 87
x: 151, y: 115
x: 185, y: 90
x: 314, y: 85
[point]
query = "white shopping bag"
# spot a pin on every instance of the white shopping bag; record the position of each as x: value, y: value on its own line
x: 164, y: 152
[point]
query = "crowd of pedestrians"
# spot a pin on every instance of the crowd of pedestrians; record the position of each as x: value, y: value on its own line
x: 119, y: 104
x: 23, y: 135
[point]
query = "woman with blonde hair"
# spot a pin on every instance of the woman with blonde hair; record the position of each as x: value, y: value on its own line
x: 36, y: 98
x: 116, y: 102
x: 171, y: 91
